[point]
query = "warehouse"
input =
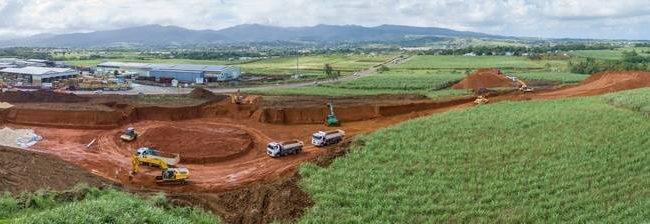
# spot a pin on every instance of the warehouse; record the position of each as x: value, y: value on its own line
x: 196, y: 73
x: 35, y: 75
x: 181, y: 72
x: 139, y: 69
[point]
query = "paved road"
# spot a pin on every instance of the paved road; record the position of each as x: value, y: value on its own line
x: 147, y: 89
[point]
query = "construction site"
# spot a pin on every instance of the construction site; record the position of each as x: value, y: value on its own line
x: 235, y: 155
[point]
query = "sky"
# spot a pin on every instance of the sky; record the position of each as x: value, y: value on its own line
x: 601, y: 19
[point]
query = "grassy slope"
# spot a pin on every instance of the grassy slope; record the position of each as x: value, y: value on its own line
x: 95, y: 206
x: 494, y: 163
x: 615, y: 54
x: 637, y: 100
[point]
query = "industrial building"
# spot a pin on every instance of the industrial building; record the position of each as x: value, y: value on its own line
x: 181, y: 72
x: 19, y: 63
x: 35, y: 75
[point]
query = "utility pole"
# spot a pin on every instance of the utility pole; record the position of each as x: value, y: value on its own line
x: 297, y: 61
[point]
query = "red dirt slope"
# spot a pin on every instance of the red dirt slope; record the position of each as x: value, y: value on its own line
x: 605, y: 82
x: 22, y: 170
x: 484, y: 78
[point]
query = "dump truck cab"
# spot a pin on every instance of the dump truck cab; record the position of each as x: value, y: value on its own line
x: 273, y: 149
x: 144, y: 151
x: 324, y: 138
x: 129, y: 134
x: 277, y: 149
x: 318, y: 138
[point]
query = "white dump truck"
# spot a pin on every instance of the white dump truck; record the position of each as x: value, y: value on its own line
x: 325, y: 138
x: 277, y: 149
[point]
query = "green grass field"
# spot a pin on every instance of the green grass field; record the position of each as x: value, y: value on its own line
x: 313, y: 65
x: 282, y: 66
x: 467, y: 62
x: 91, y: 205
x: 496, y: 163
x: 636, y: 100
x: 615, y: 54
x: 430, y: 83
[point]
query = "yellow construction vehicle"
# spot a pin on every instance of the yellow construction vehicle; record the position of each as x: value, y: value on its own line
x: 481, y: 100
x: 236, y: 98
x: 169, y: 174
x: 129, y: 134
x: 173, y: 175
x: 523, y: 87
x: 151, y: 157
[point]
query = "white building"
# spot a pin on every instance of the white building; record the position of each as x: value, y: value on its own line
x: 36, y: 75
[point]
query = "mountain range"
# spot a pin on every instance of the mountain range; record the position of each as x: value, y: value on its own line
x: 157, y: 35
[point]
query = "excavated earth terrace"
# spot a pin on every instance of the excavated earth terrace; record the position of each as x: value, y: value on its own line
x: 224, y: 144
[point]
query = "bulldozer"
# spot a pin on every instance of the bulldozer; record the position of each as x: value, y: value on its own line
x: 331, y: 119
x: 129, y: 134
x: 481, y: 100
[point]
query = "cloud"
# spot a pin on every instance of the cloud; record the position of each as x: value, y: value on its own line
x: 551, y: 18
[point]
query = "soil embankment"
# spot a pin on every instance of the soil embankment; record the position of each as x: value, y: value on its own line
x: 484, y: 78
x: 22, y: 170
x: 197, y: 144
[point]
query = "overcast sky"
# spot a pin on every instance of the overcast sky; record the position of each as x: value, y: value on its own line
x: 621, y: 19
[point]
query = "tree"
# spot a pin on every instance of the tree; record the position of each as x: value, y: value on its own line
x: 328, y: 71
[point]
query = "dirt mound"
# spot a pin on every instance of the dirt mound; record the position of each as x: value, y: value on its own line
x: 605, y: 82
x: 201, y: 93
x: 22, y: 170
x: 40, y: 96
x: 198, y: 144
x: 484, y: 78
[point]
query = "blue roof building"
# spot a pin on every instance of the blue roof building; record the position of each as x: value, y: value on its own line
x: 180, y: 72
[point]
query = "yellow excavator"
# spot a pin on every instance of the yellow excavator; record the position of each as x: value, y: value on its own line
x: 523, y: 87
x: 165, y: 161
x: 481, y: 100
x: 236, y: 98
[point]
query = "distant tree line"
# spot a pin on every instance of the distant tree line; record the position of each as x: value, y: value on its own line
x: 631, y: 61
x: 21, y: 52
x: 532, y: 52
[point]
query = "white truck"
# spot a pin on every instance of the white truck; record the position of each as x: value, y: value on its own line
x: 325, y: 138
x: 277, y: 149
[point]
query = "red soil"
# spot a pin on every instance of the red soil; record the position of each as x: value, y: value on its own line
x: 596, y: 84
x: 40, y: 96
x: 196, y: 143
x: 484, y: 78
x: 605, y: 82
x: 199, y: 132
